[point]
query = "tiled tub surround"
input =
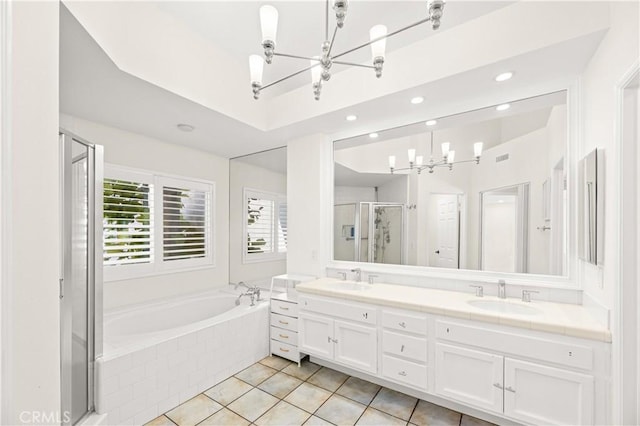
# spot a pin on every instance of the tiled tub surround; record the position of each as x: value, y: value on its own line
x: 559, y: 318
x: 145, y: 371
x: 546, y: 366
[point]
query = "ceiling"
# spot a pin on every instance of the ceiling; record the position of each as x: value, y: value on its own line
x: 93, y: 87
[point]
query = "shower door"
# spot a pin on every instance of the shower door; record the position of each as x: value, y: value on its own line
x: 81, y: 281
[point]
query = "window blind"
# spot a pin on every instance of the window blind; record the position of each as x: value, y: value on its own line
x: 127, y: 223
x: 260, y: 217
x: 184, y: 216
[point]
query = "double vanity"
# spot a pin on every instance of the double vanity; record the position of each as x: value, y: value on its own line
x: 525, y: 362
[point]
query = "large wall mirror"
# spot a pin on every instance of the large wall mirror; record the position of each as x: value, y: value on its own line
x: 480, y: 190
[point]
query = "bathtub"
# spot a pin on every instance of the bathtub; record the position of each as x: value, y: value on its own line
x: 156, y: 356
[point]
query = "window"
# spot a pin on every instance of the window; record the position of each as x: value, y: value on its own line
x: 154, y: 223
x: 265, y: 226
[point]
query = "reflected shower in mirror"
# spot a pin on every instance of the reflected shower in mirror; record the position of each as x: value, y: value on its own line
x: 258, y: 216
x: 480, y: 190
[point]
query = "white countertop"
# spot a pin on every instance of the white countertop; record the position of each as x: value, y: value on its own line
x: 558, y: 318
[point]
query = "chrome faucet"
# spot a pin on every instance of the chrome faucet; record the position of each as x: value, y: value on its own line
x: 502, y: 289
x: 343, y: 275
x: 372, y: 278
x: 358, y: 272
x: 252, y: 292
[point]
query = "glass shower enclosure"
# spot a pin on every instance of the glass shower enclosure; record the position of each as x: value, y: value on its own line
x: 81, y: 274
x: 369, y: 232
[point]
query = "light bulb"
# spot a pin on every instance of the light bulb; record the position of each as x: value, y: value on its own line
x: 445, y: 149
x: 477, y: 149
x: 411, y: 153
x: 378, y: 47
x: 451, y: 157
x: 269, y: 23
x: 316, y: 69
x: 256, y: 65
x: 419, y: 160
x: 392, y: 161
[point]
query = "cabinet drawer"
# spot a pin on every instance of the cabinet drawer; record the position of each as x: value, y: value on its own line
x: 405, y: 321
x: 284, y: 335
x: 284, y: 308
x: 351, y: 311
x: 406, y: 372
x: 285, y: 350
x: 568, y: 354
x: 405, y: 346
x: 283, y: 321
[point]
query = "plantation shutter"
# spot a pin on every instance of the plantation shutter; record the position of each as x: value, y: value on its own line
x: 260, y: 217
x: 127, y: 222
x: 282, y: 227
x: 184, y: 223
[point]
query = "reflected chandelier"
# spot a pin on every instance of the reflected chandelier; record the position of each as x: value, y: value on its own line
x: 320, y: 66
x: 448, y: 158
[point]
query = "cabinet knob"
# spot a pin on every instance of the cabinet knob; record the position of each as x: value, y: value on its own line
x: 402, y: 324
x: 402, y: 373
x: 365, y: 315
x: 402, y: 348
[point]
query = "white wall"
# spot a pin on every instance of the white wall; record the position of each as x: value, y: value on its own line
x: 353, y: 194
x: 243, y: 175
x: 31, y: 359
x: 137, y: 151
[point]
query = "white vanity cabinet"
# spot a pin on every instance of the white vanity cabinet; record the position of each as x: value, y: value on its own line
x: 404, y: 347
x: 493, y: 379
x: 339, y: 331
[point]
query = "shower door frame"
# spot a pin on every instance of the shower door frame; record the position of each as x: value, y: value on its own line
x: 95, y: 179
x: 371, y: 229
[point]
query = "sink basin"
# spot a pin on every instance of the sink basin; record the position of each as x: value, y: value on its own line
x: 503, y: 307
x: 348, y: 286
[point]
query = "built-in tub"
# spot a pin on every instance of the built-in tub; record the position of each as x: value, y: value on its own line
x: 158, y: 355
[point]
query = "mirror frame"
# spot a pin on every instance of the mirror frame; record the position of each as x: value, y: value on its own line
x: 567, y: 282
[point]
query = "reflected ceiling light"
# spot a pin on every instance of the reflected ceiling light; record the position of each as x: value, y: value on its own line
x: 377, y: 40
x: 417, y: 100
x: 431, y: 122
x: 373, y: 135
x: 351, y: 117
x: 504, y: 76
x: 416, y: 162
x: 185, y: 127
x: 503, y: 107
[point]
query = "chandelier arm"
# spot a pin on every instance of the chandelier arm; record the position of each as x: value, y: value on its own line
x: 354, y: 64
x: 370, y: 42
x: 333, y: 38
x: 326, y: 20
x: 287, y: 77
x: 286, y: 55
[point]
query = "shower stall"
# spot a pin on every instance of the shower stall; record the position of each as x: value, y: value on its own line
x: 369, y: 232
x: 81, y: 165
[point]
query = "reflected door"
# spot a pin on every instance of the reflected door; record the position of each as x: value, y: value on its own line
x: 448, y: 231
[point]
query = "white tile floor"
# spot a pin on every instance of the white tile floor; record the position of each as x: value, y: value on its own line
x: 275, y: 391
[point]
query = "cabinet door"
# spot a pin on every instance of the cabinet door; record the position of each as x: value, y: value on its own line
x: 356, y: 346
x: 469, y: 376
x: 315, y: 334
x: 546, y: 395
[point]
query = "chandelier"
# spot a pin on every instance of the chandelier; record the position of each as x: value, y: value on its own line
x: 320, y: 65
x: 448, y: 158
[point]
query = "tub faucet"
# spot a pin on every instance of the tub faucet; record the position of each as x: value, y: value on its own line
x: 358, y: 272
x: 252, y: 293
x: 502, y: 289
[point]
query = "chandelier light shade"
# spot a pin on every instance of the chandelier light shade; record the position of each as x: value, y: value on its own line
x: 322, y: 64
x: 416, y: 162
x: 256, y: 66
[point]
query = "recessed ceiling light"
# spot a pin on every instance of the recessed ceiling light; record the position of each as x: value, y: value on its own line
x: 431, y: 122
x: 503, y: 107
x: 185, y: 127
x: 373, y: 135
x: 504, y: 76
x: 417, y: 100
x: 351, y: 117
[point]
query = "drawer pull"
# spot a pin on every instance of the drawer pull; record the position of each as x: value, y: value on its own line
x: 283, y: 308
x: 498, y: 385
x: 402, y: 324
x: 402, y: 373
x: 365, y: 315
x: 283, y: 336
x: 402, y: 348
x: 283, y: 322
x: 510, y: 389
x: 284, y: 350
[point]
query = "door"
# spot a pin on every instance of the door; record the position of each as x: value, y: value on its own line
x: 356, y: 346
x: 469, y: 376
x: 315, y: 334
x: 80, y: 284
x: 448, y: 231
x: 544, y: 395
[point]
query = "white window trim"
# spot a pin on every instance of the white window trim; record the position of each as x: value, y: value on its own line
x: 260, y: 257
x: 158, y: 266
